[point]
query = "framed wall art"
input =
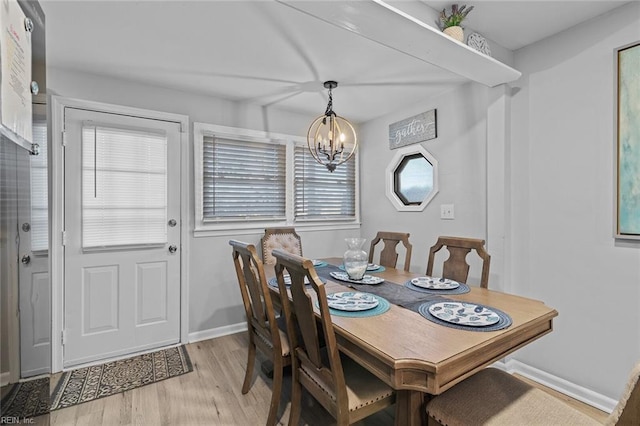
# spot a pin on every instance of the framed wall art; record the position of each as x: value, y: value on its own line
x: 627, y: 64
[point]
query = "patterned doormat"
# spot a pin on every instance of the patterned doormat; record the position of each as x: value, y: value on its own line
x: 89, y: 383
x: 24, y: 400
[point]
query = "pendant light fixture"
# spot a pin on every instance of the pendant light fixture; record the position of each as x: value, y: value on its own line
x: 331, y: 139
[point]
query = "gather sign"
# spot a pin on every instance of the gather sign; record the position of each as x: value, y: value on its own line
x: 414, y: 129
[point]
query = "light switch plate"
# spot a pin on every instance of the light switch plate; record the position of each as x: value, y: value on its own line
x: 446, y: 211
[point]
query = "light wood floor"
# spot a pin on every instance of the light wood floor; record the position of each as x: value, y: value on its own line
x: 210, y: 395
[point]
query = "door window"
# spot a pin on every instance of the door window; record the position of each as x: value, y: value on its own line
x: 39, y: 189
x: 124, y: 187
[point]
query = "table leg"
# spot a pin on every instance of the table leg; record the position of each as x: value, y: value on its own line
x: 409, y: 408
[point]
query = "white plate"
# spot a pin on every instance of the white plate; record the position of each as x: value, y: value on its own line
x: 351, y: 301
x: 435, y: 283
x: 367, y: 279
x: 464, y: 313
x: 317, y: 262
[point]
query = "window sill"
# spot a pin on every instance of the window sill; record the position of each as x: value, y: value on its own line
x: 234, y: 229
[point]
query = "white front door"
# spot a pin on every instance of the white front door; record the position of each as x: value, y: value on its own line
x: 122, y: 235
x: 33, y: 253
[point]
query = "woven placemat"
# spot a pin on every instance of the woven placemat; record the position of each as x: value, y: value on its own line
x: 504, y: 322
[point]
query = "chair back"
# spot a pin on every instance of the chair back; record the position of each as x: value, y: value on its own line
x: 456, y: 267
x: 319, y: 369
x: 284, y: 238
x: 256, y: 298
x: 627, y: 412
x: 389, y: 254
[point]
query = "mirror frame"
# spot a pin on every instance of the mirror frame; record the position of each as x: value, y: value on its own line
x: 395, y: 162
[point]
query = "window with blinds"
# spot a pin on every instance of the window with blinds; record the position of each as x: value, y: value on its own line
x: 124, y: 187
x: 39, y: 201
x: 320, y: 194
x: 248, y: 180
x: 243, y: 180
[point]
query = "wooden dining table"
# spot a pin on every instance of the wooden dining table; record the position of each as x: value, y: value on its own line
x: 419, y: 358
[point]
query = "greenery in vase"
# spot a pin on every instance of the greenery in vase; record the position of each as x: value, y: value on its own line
x: 458, y: 14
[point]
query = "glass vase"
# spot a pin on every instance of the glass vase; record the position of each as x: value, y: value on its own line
x: 355, y: 258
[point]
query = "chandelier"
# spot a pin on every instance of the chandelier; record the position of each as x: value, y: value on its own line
x: 331, y: 139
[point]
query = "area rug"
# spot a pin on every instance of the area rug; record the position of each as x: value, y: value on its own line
x: 24, y: 400
x: 89, y: 383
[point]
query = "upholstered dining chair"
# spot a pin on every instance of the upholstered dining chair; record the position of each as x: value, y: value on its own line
x: 494, y: 397
x: 343, y: 387
x: 264, y: 333
x: 388, y: 254
x: 284, y: 238
x: 456, y: 267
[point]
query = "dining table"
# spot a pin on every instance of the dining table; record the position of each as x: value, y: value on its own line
x: 420, y: 356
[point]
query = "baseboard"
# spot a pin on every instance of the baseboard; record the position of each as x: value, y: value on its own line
x: 4, y: 378
x: 577, y: 392
x: 212, y: 333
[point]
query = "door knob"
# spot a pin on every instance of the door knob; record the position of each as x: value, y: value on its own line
x: 172, y: 223
x: 26, y: 259
x: 173, y: 249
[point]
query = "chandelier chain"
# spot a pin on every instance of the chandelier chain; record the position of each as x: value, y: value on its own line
x: 329, y: 110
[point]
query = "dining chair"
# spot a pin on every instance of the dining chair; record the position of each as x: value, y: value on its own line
x: 495, y: 397
x: 344, y: 388
x: 284, y: 238
x: 456, y: 267
x: 262, y: 326
x: 389, y: 255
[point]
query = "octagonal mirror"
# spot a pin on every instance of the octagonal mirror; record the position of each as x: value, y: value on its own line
x: 412, y: 178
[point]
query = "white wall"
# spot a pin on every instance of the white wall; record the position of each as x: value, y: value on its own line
x: 460, y: 149
x: 563, y: 212
x: 214, y: 298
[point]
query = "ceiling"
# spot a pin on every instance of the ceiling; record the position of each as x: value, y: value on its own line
x: 269, y: 54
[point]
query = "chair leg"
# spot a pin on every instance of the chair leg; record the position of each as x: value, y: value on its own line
x: 296, y: 399
x: 275, y: 392
x: 251, y: 358
x: 342, y: 421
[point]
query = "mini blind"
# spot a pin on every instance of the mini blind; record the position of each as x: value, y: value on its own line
x: 39, y: 202
x: 320, y: 194
x: 124, y: 187
x: 243, y: 180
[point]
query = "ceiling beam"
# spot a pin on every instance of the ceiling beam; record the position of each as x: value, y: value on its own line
x: 384, y: 24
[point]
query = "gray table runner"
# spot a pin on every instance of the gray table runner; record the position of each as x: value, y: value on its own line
x: 394, y: 293
x: 402, y: 295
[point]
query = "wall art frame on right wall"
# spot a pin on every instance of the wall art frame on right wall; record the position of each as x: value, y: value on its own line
x: 627, y: 155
